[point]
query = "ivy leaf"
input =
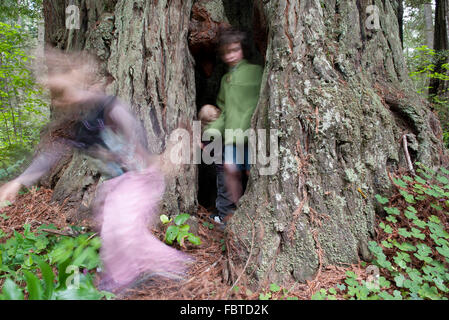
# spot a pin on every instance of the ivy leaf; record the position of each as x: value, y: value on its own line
x: 436, y: 207
x: 408, y: 197
x: 392, y: 210
x: 171, y: 234
x: 181, y: 218
x: 417, y: 234
x: 419, y: 223
x: 444, y: 170
x: 399, y: 279
x: 194, y: 239
x: 400, y: 182
x: 387, y: 244
x: 267, y: 296
x: 274, y: 287
x: 380, y: 199
x: 410, y: 215
x: 403, y: 232
x: 442, y: 179
x: 341, y: 287
x: 420, y: 180
x: 384, y: 283
x: 392, y: 219
x: 434, y: 219
x: 388, y: 229
x: 164, y: 219
x: 444, y: 251
x: 405, y: 246
x: 423, y: 257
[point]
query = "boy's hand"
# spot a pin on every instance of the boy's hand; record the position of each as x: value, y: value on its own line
x: 9, y: 191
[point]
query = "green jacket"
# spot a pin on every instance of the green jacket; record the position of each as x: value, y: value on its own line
x: 237, y: 99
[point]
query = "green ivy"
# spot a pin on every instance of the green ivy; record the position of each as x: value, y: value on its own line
x: 413, y: 256
x: 41, y: 266
x: 179, y: 230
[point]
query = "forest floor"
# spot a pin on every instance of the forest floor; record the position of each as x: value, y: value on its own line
x: 205, y: 280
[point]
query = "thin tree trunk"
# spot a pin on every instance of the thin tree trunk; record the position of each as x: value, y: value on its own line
x: 6, y: 128
x: 441, y: 43
x: 428, y: 17
x: 400, y: 15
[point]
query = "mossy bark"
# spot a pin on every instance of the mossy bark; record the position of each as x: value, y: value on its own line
x: 338, y: 93
x: 142, y: 47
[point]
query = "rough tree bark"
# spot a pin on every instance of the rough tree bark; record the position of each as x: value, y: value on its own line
x: 336, y: 90
x: 142, y: 46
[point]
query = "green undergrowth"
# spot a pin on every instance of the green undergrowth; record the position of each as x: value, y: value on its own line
x: 411, y: 254
x: 42, y: 266
x: 178, y: 230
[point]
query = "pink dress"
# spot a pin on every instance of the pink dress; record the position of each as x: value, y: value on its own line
x: 125, y: 206
x: 129, y: 206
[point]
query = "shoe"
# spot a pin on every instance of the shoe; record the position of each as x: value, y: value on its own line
x: 217, y: 219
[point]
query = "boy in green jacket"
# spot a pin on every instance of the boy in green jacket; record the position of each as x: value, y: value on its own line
x: 237, y: 100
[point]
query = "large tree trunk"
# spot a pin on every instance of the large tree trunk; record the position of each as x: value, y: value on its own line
x: 143, y: 49
x: 335, y: 89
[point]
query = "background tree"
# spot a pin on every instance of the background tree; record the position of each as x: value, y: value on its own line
x: 438, y: 85
x: 23, y: 107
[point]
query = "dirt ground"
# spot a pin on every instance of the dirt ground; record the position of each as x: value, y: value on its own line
x: 205, y: 279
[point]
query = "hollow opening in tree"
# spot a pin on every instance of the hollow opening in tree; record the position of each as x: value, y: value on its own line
x: 208, y: 16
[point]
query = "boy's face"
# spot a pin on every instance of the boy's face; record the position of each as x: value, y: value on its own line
x: 232, y: 53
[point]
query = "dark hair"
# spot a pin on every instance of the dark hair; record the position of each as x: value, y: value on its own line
x: 231, y: 35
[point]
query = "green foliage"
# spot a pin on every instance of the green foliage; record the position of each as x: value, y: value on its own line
x: 22, y: 109
x: 424, y: 61
x: 13, y: 10
x: 208, y: 225
x: 426, y: 64
x: 276, y: 292
x: 179, y: 231
x: 412, y: 256
x: 36, y: 265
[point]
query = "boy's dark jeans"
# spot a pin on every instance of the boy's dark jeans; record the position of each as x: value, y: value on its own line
x: 223, y: 202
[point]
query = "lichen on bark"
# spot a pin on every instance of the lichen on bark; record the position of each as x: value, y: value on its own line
x: 339, y: 95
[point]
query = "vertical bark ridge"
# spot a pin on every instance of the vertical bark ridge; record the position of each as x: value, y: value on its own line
x: 325, y: 85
